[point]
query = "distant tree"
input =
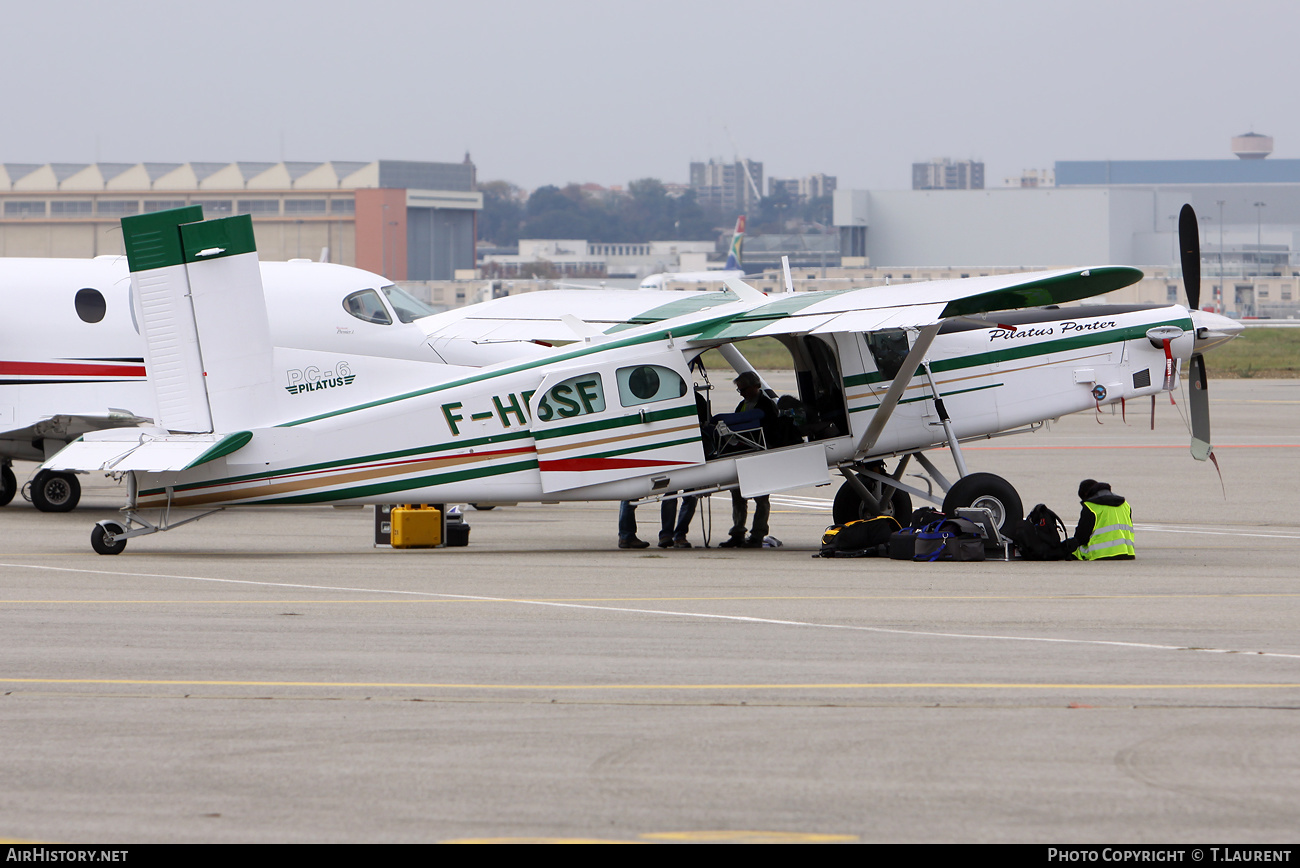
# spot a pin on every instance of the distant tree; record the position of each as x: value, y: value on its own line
x: 773, y: 212
x: 564, y: 213
x: 645, y: 213
x: 818, y: 210
x: 503, y: 213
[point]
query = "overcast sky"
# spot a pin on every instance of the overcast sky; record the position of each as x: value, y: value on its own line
x: 558, y: 91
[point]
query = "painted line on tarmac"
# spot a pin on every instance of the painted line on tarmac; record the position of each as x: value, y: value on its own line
x: 736, y: 598
x: 829, y: 685
x: 745, y: 619
x: 1198, y: 530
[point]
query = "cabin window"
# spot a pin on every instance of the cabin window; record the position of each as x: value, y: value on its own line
x: 367, y: 307
x: 889, y: 349
x: 576, y: 396
x: 90, y: 305
x: 646, y: 384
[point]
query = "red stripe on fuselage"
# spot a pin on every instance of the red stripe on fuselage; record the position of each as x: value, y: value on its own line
x: 69, y: 369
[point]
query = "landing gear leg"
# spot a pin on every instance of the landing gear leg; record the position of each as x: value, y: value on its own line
x: 863, y: 497
x: 109, y: 537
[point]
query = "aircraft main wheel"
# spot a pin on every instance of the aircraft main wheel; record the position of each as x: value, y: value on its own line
x: 104, y: 538
x: 8, y: 485
x: 988, y: 491
x: 55, y: 492
x: 849, y: 506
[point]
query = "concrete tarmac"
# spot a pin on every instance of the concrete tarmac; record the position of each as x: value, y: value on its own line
x: 266, y: 675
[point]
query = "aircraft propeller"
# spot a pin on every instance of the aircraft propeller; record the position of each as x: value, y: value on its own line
x: 1189, y: 246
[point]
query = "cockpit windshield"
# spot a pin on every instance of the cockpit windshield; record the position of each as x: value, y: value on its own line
x: 407, y: 307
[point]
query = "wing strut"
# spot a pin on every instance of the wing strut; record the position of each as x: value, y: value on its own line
x: 946, y: 421
x: 896, y: 389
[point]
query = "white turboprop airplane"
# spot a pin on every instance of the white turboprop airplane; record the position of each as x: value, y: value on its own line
x: 79, y: 366
x: 613, y: 416
x: 730, y: 269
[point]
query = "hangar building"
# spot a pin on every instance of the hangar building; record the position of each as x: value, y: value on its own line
x: 405, y: 220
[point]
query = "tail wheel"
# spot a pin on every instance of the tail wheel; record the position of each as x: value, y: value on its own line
x: 8, y: 485
x: 105, y: 538
x: 989, y: 492
x: 849, y: 506
x: 55, y: 492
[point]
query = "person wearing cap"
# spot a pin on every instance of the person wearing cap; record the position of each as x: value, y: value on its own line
x: 1105, y: 530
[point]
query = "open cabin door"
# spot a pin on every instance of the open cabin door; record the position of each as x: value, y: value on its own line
x: 615, y: 420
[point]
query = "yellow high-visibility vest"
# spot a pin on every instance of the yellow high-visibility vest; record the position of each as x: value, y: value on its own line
x: 1112, y: 533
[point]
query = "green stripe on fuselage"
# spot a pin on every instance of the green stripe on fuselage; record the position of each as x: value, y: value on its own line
x: 928, y: 397
x: 394, y: 486
x: 618, y: 422
x: 687, y: 331
x: 362, y: 459
x: 645, y: 447
x: 1025, y: 351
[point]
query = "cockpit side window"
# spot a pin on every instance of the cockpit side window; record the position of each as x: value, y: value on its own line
x: 367, y: 307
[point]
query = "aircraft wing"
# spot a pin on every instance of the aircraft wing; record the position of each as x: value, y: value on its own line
x: 917, y: 304
x: 538, y: 316
x: 122, y: 449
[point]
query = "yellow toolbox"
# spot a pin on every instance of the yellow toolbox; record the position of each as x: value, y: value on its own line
x: 416, y: 527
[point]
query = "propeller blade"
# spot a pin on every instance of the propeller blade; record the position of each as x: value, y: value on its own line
x: 1189, y: 246
x: 1199, y: 398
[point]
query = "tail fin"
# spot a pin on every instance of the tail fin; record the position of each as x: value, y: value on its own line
x: 737, y: 239
x: 198, y: 294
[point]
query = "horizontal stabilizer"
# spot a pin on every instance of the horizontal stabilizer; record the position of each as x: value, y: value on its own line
x: 124, y: 449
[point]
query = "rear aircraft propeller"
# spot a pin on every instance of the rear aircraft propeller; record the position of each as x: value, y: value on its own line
x: 1189, y: 246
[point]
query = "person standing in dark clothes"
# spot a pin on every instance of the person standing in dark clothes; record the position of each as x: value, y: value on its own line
x: 1105, y: 530
x: 750, y: 388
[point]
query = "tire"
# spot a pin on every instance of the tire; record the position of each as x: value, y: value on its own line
x: 99, y: 541
x: 55, y: 492
x: 483, y: 507
x: 989, y: 491
x: 849, y: 506
x: 8, y: 485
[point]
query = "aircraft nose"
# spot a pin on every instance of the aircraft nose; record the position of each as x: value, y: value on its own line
x: 1213, y: 329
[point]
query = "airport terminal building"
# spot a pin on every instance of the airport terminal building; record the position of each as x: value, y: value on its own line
x: 1100, y: 212
x: 406, y: 220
